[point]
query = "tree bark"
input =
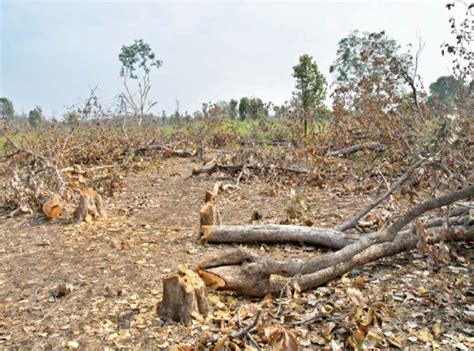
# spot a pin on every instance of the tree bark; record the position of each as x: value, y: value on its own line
x: 274, y: 233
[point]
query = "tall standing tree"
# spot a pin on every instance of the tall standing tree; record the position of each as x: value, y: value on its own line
x: 310, y: 87
x: 460, y: 48
x: 444, y: 93
x: 233, y: 108
x: 244, y: 108
x: 257, y: 108
x: 137, y: 62
x: 371, y: 71
x: 35, y: 117
x: 6, y: 108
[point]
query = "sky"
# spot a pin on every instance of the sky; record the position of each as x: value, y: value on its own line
x: 52, y: 53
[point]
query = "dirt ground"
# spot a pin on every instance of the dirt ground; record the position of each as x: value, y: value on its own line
x: 97, y: 285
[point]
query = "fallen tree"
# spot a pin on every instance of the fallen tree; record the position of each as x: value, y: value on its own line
x: 251, y: 275
x: 247, y: 274
x: 314, y: 236
x: 275, y: 233
x: 213, y: 166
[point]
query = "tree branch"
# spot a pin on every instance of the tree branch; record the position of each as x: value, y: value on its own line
x: 351, y: 223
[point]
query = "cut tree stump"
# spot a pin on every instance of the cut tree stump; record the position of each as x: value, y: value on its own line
x: 90, y: 206
x: 53, y: 206
x: 209, y: 215
x: 184, y: 297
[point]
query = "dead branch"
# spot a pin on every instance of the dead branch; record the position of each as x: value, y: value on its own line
x: 282, y: 143
x: 358, y: 147
x: 246, y: 331
x: 351, y: 223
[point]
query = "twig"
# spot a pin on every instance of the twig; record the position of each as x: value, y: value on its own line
x: 314, y: 317
x: 246, y: 331
x: 237, y: 182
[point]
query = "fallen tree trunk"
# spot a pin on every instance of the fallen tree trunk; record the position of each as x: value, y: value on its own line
x: 167, y: 152
x: 250, y: 275
x: 358, y: 147
x: 323, y: 237
x: 274, y: 233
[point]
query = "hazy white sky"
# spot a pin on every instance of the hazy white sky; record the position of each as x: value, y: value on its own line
x: 52, y: 52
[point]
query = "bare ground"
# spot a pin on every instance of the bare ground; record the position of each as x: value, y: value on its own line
x: 110, y: 273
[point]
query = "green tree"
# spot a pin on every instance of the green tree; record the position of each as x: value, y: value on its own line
x: 6, y: 108
x: 253, y: 108
x: 137, y: 61
x: 257, y: 108
x: 445, y: 93
x: 244, y: 108
x: 310, y: 87
x: 233, y: 108
x: 35, y: 117
x: 370, y: 70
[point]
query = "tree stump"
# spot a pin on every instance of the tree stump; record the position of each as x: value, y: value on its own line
x: 90, y: 206
x: 53, y: 206
x: 184, y: 297
x: 209, y: 215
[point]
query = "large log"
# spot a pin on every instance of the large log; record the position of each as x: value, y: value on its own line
x: 252, y: 275
x: 274, y: 233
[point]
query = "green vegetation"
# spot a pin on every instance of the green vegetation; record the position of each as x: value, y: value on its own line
x: 35, y: 117
x: 370, y: 67
x: 6, y: 108
x: 310, y: 88
x: 443, y: 94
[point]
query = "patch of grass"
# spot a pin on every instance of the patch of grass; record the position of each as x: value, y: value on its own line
x: 168, y: 130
